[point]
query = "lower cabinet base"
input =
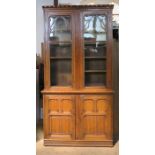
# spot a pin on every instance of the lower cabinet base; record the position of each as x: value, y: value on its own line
x: 108, y: 143
x: 78, y: 120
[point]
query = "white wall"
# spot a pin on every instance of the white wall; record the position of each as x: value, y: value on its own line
x: 39, y: 23
x: 39, y: 16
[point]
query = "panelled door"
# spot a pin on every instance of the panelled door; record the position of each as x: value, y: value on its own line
x: 59, y: 117
x: 94, y: 117
x: 81, y: 117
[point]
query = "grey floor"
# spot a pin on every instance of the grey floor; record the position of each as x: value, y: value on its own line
x: 42, y: 150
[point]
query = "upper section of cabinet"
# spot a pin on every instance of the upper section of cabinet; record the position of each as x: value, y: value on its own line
x: 78, y: 47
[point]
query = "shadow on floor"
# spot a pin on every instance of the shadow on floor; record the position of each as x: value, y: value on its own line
x: 39, y: 132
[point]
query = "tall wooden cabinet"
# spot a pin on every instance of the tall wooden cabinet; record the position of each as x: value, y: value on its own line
x: 78, y: 93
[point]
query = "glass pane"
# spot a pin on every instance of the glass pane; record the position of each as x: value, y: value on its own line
x: 95, y: 65
x: 95, y: 79
x: 60, y: 51
x: 60, y: 28
x: 95, y: 50
x: 60, y: 72
x: 95, y: 28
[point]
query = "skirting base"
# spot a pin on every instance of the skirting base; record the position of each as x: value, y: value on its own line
x: 78, y: 143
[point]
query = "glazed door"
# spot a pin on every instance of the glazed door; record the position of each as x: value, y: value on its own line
x: 60, y: 44
x: 94, y: 118
x: 96, y: 49
x: 59, y: 117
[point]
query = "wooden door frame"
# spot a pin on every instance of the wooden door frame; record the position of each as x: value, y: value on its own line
x: 47, y: 14
x: 108, y: 14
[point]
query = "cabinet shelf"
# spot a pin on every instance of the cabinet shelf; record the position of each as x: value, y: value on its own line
x: 95, y: 71
x: 94, y: 32
x: 60, y: 58
x: 60, y: 43
x: 62, y: 31
x: 100, y: 43
x: 95, y: 85
x: 91, y: 57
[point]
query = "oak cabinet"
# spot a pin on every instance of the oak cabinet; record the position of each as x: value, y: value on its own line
x: 78, y: 93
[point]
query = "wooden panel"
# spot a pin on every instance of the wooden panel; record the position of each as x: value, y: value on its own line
x: 59, y: 116
x: 76, y: 143
x: 94, y: 117
x: 116, y: 88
